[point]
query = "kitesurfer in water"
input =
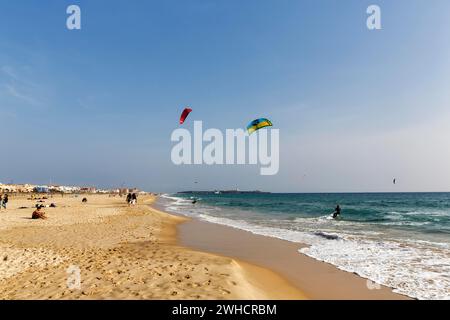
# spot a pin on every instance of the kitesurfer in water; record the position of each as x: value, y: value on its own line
x: 337, y: 212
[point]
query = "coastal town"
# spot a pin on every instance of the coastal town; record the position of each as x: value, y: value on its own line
x: 60, y: 189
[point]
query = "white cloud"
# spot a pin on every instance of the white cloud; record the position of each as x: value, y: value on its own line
x: 14, y: 92
x: 16, y: 87
x: 9, y: 71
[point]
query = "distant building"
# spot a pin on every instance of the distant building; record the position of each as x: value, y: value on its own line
x: 88, y: 190
x: 25, y: 188
x: 28, y: 188
x: 41, y: 189
x: 7, y: 188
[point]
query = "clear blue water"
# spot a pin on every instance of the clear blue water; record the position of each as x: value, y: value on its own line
x: 401, y: 240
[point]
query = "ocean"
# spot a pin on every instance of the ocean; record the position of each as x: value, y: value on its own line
x: 401, y: 240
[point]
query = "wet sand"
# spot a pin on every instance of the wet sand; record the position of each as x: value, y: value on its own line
x: 316, y: 279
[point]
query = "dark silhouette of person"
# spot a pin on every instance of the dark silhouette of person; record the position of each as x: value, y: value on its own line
x: 4, y: 202
x: 337, y: 212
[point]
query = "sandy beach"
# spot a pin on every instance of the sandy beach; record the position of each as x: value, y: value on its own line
x: 292, y: 151
x: 140, y: 252
x: 121, y: 252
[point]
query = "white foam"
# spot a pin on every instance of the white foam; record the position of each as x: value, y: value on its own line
x: 417, y: 268
x: 414, y: 271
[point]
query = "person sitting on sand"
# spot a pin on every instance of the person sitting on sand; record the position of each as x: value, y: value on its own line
x: 84, y: 200
x: 38, y: 214
x: 337, y: 212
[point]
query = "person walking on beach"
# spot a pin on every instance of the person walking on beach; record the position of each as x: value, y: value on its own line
x: 133, y: 199
x: 3, y: 201
x: 129, y: 199
x: 337, y: 212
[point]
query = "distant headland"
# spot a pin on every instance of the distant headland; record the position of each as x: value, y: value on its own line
x: 223, y: 192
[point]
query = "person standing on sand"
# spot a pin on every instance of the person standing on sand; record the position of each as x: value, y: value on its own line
x: 1, y: 201
x: 4, y: 202
x: 134, y: 199
x: 129, y: 199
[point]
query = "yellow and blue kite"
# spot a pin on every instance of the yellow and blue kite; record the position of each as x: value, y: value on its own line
x: 258, y: 124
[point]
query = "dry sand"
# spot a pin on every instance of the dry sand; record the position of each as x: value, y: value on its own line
x: 121, y: 253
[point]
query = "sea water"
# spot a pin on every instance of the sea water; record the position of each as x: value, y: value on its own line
x: 401, y: 240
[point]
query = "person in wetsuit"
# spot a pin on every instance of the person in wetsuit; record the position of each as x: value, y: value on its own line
x: 337, y: 212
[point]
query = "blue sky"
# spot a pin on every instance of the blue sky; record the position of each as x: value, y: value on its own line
x: 355, y: 108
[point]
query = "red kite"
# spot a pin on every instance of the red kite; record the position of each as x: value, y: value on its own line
x: 184, y: 114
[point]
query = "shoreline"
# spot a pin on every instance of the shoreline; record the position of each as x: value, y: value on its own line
x: 120, y: 252
x: 143, y: 252
x: 265, y: 280
x: 316, y: 279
